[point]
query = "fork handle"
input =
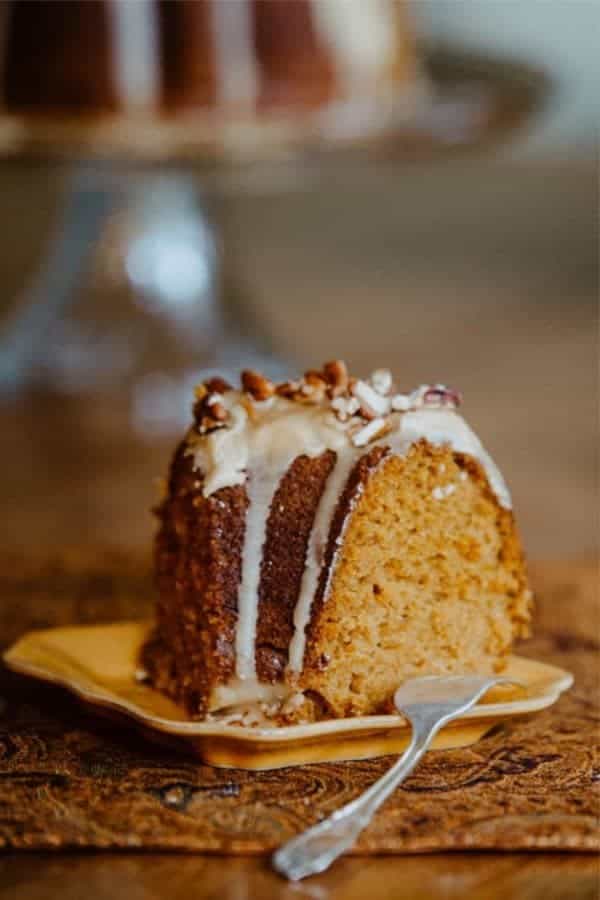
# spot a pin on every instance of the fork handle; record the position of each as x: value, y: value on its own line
x: 315, y: 849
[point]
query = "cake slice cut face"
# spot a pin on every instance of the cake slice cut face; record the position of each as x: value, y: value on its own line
x: 321, y: 541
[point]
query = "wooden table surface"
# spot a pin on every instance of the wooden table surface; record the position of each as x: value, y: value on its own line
x: 475, y: 876
x: 481, y: 274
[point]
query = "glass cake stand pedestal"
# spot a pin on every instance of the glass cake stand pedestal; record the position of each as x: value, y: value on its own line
x: 132, y: 297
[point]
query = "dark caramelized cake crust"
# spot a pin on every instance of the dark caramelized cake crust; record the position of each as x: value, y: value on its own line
x: 197, y: 562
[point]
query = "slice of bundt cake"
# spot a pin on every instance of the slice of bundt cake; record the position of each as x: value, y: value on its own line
x: 322, y: 540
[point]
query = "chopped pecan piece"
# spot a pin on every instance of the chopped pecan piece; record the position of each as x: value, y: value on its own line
x: 257, y: 385
x: 336, y: 375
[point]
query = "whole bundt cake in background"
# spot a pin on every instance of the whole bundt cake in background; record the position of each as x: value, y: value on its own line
x: 173, y: 57
x: 322, y: 540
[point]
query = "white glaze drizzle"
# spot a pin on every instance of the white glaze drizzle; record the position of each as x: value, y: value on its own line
x: 257, y: 447
x: 237, y: 78
x: 261, y: 486
x: 317, y: 544
x: 135, y: 39
x: 257, y: 450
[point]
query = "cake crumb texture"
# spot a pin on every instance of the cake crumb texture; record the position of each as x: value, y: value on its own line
x: 421, y: 586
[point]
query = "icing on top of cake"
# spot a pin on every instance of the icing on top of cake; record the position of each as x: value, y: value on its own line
x: 253, y: 435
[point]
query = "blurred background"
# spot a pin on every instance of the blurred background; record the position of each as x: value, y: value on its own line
x: 190, y: 185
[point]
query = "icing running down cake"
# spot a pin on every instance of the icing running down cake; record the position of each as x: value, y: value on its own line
x: 322, y: 540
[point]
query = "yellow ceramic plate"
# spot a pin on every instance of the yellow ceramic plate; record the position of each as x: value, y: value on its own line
x: 98, y: 664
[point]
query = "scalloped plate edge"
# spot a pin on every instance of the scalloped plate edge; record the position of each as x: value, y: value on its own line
x: 61, y: 656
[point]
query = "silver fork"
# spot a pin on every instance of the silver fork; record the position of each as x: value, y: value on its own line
x: 428, y: 703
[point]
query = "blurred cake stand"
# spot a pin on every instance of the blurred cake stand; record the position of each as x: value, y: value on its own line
x: 133, y: 204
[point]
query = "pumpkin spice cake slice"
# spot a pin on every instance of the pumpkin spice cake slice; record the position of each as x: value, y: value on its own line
x: 322, y: 540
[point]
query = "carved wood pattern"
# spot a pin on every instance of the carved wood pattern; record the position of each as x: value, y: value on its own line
x: 68, y: 779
